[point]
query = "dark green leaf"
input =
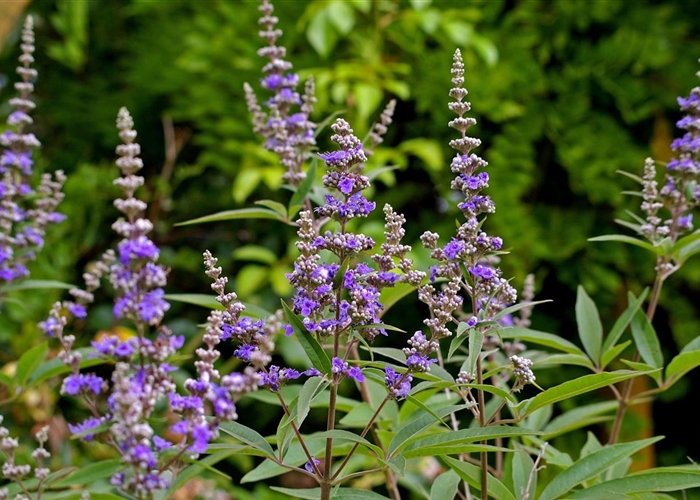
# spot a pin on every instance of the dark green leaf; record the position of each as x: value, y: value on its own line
x: 300, y: 194
x: 312, y: 388
x: 241, y: 213
x: 36, y: 285
x: 624, y: 320
x: 472, y: 475
x: 248, y: 436
x: 573, y: 388
x: 626, y: 239
x: 275, y: 206
x: 91, y: 473
x: 592, y: 465
x: 318, y: 357
x: 590, y: 329
x: 658, y: 479
x: 30, y: 361
x: 646, y: 341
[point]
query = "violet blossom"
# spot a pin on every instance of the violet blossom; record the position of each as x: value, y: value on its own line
x: 26, y: 211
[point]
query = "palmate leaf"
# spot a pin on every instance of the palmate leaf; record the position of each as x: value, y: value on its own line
x: 90, y: 473
x: 590, y: 329
x: 573, y: 388
x: 411, y: 431
x: 472, y: 475
x: 248, y: 436
x: 657, y: 479
x: 624, y: 320
x: 591, y: 465
x: 680, y: 365
x: 646, y: 340
x: 540, y: 338
x: 466, y: 436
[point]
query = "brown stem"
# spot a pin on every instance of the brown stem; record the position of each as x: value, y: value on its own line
x: 391, y: 482
x: 482, y: 423
x: 626, y: 391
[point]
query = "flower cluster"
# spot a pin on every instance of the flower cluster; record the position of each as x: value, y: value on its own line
x: 287, y: 133
x: 681, y: 192
x: 317, y: 283
x: 18, y: 473
x: 142, y: 375
x: 25, y: 213
x: 470, y: 249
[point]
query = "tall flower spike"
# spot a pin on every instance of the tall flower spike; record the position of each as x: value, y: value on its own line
x: 287, y: 133
x: 471, y: 247
x: 24, y: 213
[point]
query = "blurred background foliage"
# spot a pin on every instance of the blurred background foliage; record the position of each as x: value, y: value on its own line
x: 565, y: 93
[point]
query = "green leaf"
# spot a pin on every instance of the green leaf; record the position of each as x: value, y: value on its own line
x: 390, y: 296
x: 592, y: 465
x: 590, y: 329
x: 275, y: 206
x: 56, y: 366
x: 646, y: 341
x: 339, y: 493
x: 573, y: 388
x: 613, y: 353
x: 658, y: 479
x: 368, y: 98
x: 344, y: 435
x: 91, y: 473
x: 517, y: 307
x: 540, y: 338
x: 321, y: 34
x: 318, y: 357
x: 196, y: 299
x: 411, y: 431
x: 687, y: 246
x: 310, y: 390
x: 472, y: 475
x: 476, y: 342
x: 428, y: 150
x: 305, y: 186
x: 680, y: 365
x: 8, y: 381
x: 523, y: 466
x: 255, y: 253
x: 195, y: 469
x: 248, y: 436
x: 36, y: 285
x: 30, y: 361
x: 627, y: 239
x: 464, y: 437
x: 445, y: 486
x: 624, y: 320
x: 565, y: 359
x: 210, y: 302
x: 342, y: 16
x: 240, y: 213
x: 578, y: 417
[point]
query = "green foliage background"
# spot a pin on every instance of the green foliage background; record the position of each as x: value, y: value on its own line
x: 565, y: 93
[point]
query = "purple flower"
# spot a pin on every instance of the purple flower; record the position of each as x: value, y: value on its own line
x: 309, y: 467
x: 85, y: 425
x: 399, y: 385
x: 139, y: 248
